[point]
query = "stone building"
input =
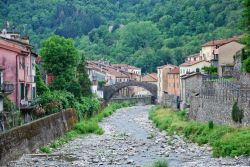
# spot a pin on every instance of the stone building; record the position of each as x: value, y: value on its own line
x: 190, y: 85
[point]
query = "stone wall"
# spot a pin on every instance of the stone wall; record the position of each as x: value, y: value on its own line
x: 170, y: 101
x: 245, y: 79
x: 29, y: 137
x: 218, y: 110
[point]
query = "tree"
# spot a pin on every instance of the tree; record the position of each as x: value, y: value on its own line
x: 60, y: 59
x: 40, y: 85
x: 83, y: 78
x: 237, y: 113
x: 246, y: 23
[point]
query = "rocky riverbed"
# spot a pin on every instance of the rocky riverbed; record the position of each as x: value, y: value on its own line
x: 130, y: 140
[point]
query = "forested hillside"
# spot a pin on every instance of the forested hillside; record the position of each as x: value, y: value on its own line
x: 146, y: 33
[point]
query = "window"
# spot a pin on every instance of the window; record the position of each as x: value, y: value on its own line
x: 1, y: 78
x: 22, y: 90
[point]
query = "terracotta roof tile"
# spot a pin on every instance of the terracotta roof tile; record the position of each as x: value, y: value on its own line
x: 222, y: 41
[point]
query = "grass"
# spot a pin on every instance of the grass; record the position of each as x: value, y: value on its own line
x: 224, y: 140
x: 84, y: 127
x: 160, y: 163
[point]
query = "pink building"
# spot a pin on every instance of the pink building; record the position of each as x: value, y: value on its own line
x: 17, y: 62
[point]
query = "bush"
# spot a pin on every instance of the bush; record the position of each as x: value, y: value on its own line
x: 161, y: 163
x: 210, y: 124
x: 237, y: 113
x: 225, y: 141
x: 246, y: 65
x: 54, y: 101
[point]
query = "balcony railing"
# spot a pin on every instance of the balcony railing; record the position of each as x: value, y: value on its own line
x: 7, y: 88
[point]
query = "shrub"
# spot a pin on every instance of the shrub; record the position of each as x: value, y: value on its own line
x: 45, y: 149
x: 246, y: 65
x: 161, y: 163
x: 210, y: 124
x: 54, y: 101
x: 237, y: 113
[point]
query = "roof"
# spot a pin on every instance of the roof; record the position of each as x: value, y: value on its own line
x: 192, y: 75
x: 107, y: 69
x: 194, y: 55
x: 175, y: 71
x: 190, y: 63
x: 153, y: 75
x: 167, y: 65
x: 125, y: 65
x: 221, y: 42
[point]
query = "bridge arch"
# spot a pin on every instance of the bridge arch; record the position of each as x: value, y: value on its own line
x: 110, y: 90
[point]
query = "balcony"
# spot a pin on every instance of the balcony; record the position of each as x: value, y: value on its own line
x: 7, y: 88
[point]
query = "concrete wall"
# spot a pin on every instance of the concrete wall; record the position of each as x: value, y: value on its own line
x: 29, y: 137
x: 218, y: 110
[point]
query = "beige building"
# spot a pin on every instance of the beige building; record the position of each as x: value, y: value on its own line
x: 193, y: 66
x: 221, y: 53
x: 150, y: 78
x: 162, y: 79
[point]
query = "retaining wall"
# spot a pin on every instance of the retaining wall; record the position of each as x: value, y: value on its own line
x: 29, y: 137
x: 218, y: 110
x: 170, y: 101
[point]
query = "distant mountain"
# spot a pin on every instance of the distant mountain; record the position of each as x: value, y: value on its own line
x: 145, y: 33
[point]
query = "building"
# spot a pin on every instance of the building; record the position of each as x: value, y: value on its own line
x: 221, y: 53
x: 193, y: 66
x: 128, y: 68
x: 162, y: 79
x: 150, y: 78
x: 174, y: 82
x: 103, y: 73
x: 17, y: 61
x: 190, y: 85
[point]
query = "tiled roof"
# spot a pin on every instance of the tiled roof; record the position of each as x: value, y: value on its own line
x: 125, y: 65
x: 153, y: 75
x: 175, y: 71
x: 167, y: 65
x: 191, y: 75
x: 194, y: 55
x: 190, y: 63
x: 222, y: 41
x: 106, y: 69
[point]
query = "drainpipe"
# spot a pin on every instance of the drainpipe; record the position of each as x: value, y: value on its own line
x: 17, y: 90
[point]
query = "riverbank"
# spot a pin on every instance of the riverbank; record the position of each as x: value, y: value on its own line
x: 84, y: 127
x: 224, y: 140
x: 130, y: 139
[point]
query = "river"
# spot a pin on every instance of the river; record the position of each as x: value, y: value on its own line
x: 130, y: 140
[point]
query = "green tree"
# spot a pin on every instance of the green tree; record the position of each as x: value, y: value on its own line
x: 40, y: 85
x: 83, y: 78
x: 237, y: 113
x: 246, y: 23
x: 60, y: 59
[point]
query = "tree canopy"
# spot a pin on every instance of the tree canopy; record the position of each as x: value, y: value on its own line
x: 117, y: 30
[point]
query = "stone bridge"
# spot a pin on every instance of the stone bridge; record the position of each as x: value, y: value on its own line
x: 110, y: 90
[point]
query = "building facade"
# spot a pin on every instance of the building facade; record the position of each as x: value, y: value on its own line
x: 174, y: 82
x: 162, y: 80
x: 18, y: 69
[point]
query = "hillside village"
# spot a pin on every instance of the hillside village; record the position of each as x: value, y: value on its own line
x: 180, y: 87
x: 207, y: 86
